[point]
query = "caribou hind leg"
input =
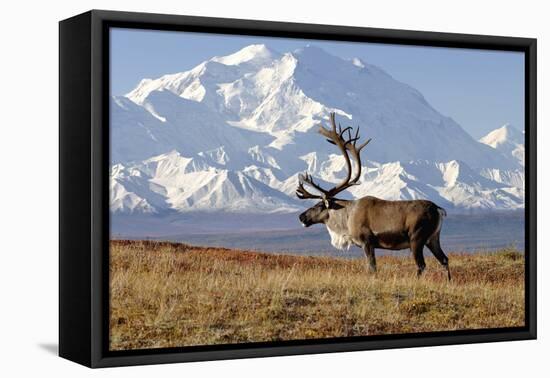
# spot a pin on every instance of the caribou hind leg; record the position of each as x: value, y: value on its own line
x: 417, y: 249
x: 435, y: 247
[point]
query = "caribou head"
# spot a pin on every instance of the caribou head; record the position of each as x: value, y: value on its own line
x: 346, y: 142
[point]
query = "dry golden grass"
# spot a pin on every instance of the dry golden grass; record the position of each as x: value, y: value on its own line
x: 167, y: 295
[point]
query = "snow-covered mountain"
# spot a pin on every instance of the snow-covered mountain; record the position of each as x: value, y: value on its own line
x: 508, y: 140
x: 234, y: 133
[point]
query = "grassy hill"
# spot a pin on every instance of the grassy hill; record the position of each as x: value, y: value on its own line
x: 168, y: 294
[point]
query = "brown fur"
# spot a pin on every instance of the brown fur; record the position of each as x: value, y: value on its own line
x: 372, y: 223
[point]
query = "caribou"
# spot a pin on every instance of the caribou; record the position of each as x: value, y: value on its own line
x: 370, y: 222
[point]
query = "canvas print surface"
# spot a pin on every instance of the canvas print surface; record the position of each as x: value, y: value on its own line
x: 268, y: 189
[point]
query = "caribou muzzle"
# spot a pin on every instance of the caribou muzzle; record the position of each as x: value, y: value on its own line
x: 304, y: 219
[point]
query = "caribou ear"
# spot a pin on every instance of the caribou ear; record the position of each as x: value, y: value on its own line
x: 330, y: 203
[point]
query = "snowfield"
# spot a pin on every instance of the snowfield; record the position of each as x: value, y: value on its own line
x: 233, y: 133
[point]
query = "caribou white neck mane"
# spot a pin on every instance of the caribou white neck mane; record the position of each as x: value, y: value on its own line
x: 339, y: 240
x: 338, y: 233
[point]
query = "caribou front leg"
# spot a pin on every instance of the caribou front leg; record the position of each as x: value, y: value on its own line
x: 369, y: 252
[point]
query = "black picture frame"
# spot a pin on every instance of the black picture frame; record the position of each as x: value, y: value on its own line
x: 83, y: 181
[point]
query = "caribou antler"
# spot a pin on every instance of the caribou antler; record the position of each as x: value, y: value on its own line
x: 302, y: 193
x: 345, y: 142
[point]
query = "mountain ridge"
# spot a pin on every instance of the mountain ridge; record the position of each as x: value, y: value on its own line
x: 508, y: 140
x: 243, y: 126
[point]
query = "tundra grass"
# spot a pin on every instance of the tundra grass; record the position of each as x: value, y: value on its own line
x: 170, y: 295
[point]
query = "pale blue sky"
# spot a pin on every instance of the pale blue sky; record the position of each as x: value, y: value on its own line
x: 480, y: 89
